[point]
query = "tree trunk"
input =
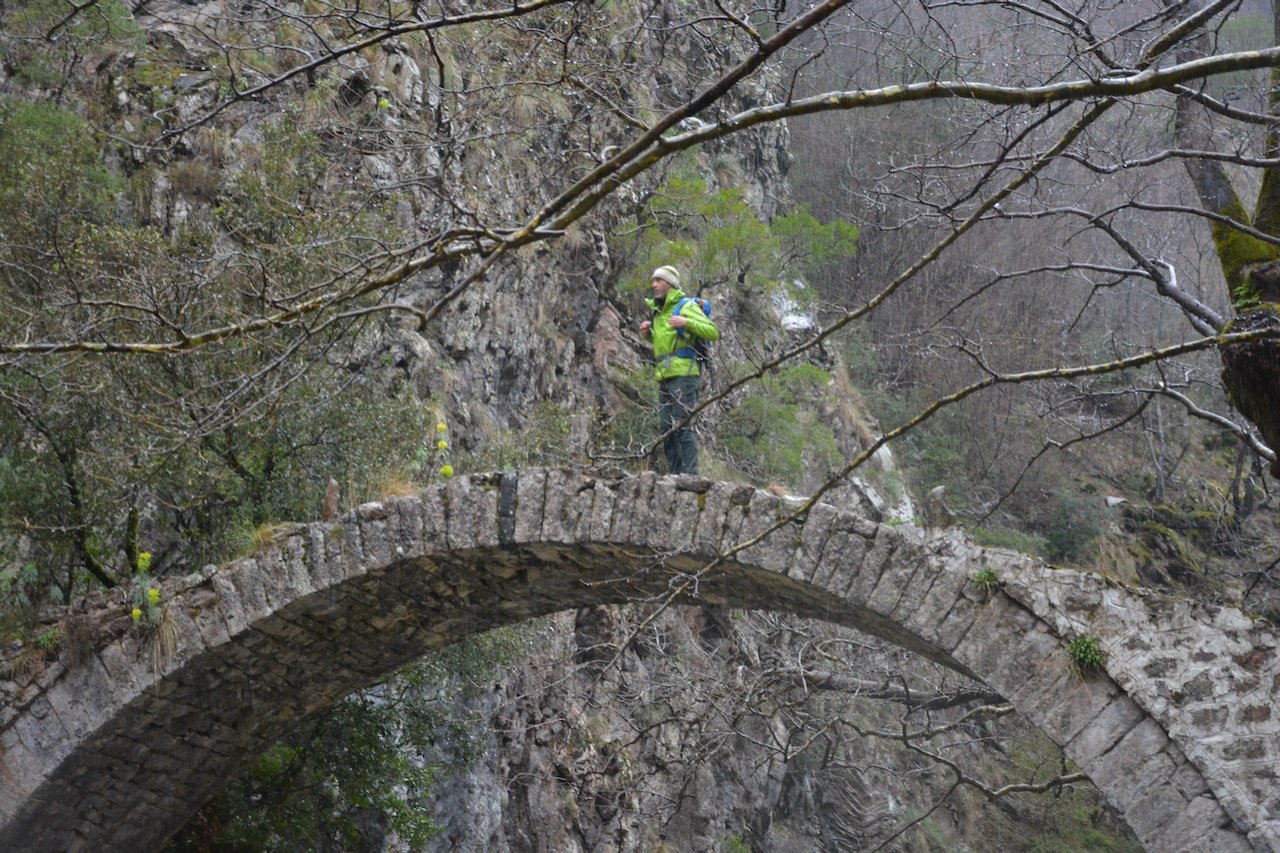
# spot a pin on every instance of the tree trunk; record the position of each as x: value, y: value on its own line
x: 1250, y: 265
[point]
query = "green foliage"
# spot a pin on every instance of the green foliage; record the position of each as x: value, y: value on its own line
x: 1013, y: 540
x: 986, y: 580
x: 18, y: 581
x: 331, y: 777
x: 213, y: 444
x: 1238, y: 252
x: 933, y: 453
x: 52, y: 185
x: 49, y: 640
x: 147, y: 611
x: 715, y: 237
x: 1071, y: 526
x: 733, y: 843
x: 813, y: 244
x: 1245, y: 297
x: 362, y: 765
x: 263, y: 203
x: 543, y: 439
x: 861, y: 357
x: 772, y: 434
x: 1086, y: 655
x: 42, y: 61
x: 632, y: 425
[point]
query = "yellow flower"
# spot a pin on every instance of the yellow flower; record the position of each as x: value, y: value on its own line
x: 144, y: 561
x: 441, y: 427
x: 136, y: 613
x: 383, y: 104
x: 153, y: 596
x: 442, y: 444
x: 446, y: 471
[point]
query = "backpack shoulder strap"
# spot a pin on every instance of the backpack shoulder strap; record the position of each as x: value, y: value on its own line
x: 680, y: 303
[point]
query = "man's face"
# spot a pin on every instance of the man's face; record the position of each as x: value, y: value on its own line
x: 660, y: 288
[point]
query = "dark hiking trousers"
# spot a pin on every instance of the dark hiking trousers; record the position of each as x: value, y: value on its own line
x: 677, y: 397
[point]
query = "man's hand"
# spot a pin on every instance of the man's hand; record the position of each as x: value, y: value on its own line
x: 678, y: 322
x: 645, y: 327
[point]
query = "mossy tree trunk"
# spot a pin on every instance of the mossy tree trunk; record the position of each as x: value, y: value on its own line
x: 1250, y: 262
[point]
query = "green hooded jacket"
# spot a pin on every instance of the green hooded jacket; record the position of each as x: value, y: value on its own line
x: 666, y: 340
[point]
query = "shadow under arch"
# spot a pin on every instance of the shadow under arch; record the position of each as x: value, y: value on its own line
x: 109, y: 754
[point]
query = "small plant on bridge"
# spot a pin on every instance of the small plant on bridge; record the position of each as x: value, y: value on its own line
x: 986, y: 580
x: 146, y: 598
x: 433, y: 456
x: 151, y: 614
x: 1086, y: 655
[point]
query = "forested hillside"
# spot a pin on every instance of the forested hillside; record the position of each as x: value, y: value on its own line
x: 1005, y: 266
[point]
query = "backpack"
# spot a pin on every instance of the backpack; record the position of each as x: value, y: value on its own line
x: 701, y: 350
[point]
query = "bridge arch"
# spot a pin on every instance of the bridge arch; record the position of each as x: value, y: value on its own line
x: 109, y: 753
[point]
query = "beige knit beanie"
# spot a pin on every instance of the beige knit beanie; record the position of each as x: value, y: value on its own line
x: 668, y: 274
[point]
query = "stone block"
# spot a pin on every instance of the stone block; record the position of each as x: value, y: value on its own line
x: 1154, y: 808
x: 667, y: 528
x: 1107, y: 729
x: 1071, y: 705
x: 1197, y: 826
x: 284, y: 633
x: 880, y: 555
x: 273, y: 578
x: 559, y: 493
x: 187, y: 640
x: 1188, y: 779
x: 603, y: 509
x: 121, y: 671
x: 1139, y: 760
x: 407, y: 529
x: 912, y: 565
x: 814, y: 533
x: 1266, y: 835
x: 735, y: 515
x: 530, y: 500
x: 842, y: 557
x: 323, y: 573
x: 1003, y: 645
x: 773, y: 551
x: 685, y: 520
x: 924, y: 610
x: 375, y: 538
x: 631, y: 518
x: 204, y: 609
x: 433, y: 517
x: 293, y: 556
x: 713, y: 510
x: 21, y: 773
x: 472, y: 513
x: 41, y: 732
x: 100, y: 693
x: 250, y: 587
x: 577, y: 509
x: 345, y: 550
x: 79, y: 716
x: 229, y: 606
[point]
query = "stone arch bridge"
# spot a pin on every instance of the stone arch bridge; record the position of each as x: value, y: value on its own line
x: 108, y: 750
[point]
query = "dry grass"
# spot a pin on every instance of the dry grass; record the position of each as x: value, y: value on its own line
x: 397, y: 486
x: 266, y: 534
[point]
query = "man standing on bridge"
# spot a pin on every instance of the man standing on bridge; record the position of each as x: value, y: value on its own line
x: 676, y: 325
